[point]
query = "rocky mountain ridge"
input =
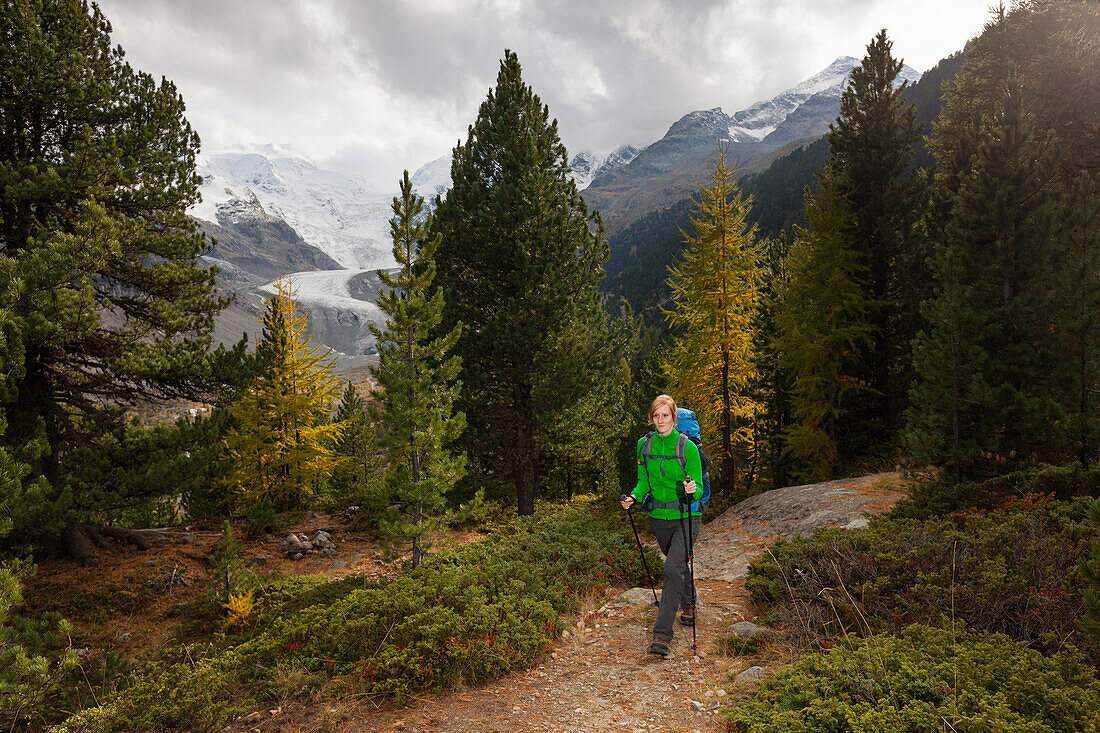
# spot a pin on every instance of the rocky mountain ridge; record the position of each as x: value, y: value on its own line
x: 669, y: 169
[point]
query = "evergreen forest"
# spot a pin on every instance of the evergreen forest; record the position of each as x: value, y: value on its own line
x: 917, y: 293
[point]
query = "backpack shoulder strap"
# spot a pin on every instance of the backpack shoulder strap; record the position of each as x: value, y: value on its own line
x: 647, y: 447
x: 681, y: 452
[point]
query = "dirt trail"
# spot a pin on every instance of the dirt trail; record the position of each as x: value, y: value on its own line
x: 601, y: 678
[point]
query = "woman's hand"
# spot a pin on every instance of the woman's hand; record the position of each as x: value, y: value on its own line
x: 627, y: 501
x: 689, y: 486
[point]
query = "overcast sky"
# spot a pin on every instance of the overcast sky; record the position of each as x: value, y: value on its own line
x: 370, y: 87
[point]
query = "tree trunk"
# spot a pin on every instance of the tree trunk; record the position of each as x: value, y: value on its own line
x: 81, y: 550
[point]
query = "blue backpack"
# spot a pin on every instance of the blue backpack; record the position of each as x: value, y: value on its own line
x: 688, y: 425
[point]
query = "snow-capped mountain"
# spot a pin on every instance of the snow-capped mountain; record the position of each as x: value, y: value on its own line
x: 433, y: 179
x: 337, y: 214
x: 586, y: 165
x: 669, y: 169
x: 761, y: 119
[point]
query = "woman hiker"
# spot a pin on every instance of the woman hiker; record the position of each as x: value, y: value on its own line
x: 660, y: 474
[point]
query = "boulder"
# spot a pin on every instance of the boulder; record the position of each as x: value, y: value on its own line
x: 752, y: 674
x: 747, y: 630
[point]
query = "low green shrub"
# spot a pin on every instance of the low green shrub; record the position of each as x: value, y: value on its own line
x: 925, y: 679
x: 1014, y: 572
x: 936, y: 498
x: 464, y: 616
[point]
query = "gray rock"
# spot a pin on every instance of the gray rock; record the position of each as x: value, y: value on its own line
x: 637, y: 597
x: 858, y: 523
x: 747, y: 630
x: 306, y: 546
x: 338, y: 565
x: 187, y: 538
x: 752, y: 674
x: 698, y: 705
x: 792, y: 511
x: 322, y: 538
x: 258, y: 560
x: 297, y: 556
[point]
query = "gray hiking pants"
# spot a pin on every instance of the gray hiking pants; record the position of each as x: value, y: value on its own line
x: 676, y: 589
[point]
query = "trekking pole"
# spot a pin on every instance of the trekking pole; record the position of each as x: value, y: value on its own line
x: 630, y: 513
x: 691, y: 575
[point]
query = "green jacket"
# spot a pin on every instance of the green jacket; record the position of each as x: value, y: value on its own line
x: 664, y: 477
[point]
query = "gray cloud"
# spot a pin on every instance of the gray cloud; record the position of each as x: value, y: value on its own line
x: 375, y: 86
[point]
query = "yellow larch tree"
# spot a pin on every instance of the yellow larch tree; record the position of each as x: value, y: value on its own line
x: 710, y: 366
x: 282, y: 443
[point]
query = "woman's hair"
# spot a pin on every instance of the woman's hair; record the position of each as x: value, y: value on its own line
x: 660, y: 400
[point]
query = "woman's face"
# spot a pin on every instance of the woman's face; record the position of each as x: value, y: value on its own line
x: 663, y: 420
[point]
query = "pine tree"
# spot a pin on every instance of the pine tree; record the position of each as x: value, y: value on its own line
x: 822, y: 325
x: 870, y: 149
x: 281, y: 446
x: 357, y: 479
x: 1080, y: 232
x: 98, y: 256
x: 519, y: 263
x: 772, y: 388
x: 713, y: 300
x: 417, y: 383
x: 987, y: 398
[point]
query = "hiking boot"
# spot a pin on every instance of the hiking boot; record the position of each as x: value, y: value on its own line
x: 687, y: 617
x: 659, y: 647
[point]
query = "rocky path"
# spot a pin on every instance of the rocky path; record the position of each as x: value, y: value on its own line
x: 600, y: 677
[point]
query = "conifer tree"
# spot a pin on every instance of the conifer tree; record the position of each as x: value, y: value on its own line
x: 357, y: 479
x: 519, y: 263
x: 417, y: 380
x: 987, y: 396
x: 281, y: 446
x: 710, y: 363
x: 822, y: 323
x: 773, y: 385
x: 1080, y: 232
x: 98, y: 256
x: 870, y: 149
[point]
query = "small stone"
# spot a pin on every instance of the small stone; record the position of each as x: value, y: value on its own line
x: 710, y: 693
x: 297, y: 556
x: 637, y: 597
x: 857, y: 523
x: 258, y: 560
x: 698, y: 705
x: 338, y: 565
x: 721, y: 693
x: 702, y: 654
x: 149, y: 563
x: 747, y: 630
x: 752, y: 674
x: 125, y: 637
x: 186, y: 538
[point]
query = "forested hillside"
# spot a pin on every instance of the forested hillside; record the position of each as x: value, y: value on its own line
x: 641, y: 253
